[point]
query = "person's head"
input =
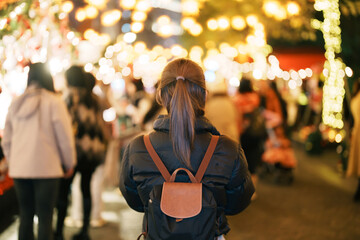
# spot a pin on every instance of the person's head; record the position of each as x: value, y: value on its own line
x: 75, y: 77
x: 90, y: 81
x: 182, y: 91
x: 40, y: 76
x: 245, y: 86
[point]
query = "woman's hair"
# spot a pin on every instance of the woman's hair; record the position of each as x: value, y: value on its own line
x: 245, y: 86
x: 75, y: 77
x: 182, y: 91
x: 40, y: 76
x: 90, y: 81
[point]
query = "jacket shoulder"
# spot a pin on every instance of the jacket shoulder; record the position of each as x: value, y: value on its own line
x: 228, y: 143
x: 136, y: 143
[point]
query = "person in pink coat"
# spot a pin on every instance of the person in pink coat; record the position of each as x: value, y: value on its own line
x: 39, y: 147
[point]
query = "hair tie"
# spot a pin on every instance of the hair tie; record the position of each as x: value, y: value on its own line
x: 180, y: 78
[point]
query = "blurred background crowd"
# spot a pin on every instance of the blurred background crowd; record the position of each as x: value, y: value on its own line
x: 277, y: 72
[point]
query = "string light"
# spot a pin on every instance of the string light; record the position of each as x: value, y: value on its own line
x: 109, y: 18
x: 333, y: 91
x: 67, y: 6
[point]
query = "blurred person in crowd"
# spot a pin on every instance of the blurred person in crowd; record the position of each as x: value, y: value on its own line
x: 155, y: 110
x: 180, y: 138
x: 39, y: 147
x: 272, y: 101
x: 278, y: 151
x: 139, y: 101
x: 283, y: 106
x: 97, y: 179
x: 252, y: 128
x: 151, y: 115
x: 221, y: 111
x: 90, y: 146
x: 353, y: 168
x: 3, y: 164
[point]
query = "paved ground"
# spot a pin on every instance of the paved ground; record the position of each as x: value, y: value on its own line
x: 317, y: 206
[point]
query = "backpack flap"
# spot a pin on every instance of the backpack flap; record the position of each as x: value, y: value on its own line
x: 181, y: 200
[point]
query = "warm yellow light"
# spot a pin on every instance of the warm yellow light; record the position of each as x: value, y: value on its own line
x: 281, y: 14
x: 271, y: 8
x: 349, y: 72
x: 230, y: 52
x: 91, y: 12
x: 250, y: 39
x: 80, y: 15
x: 126, y: 71
x: 89, y: 33
x: 293, y: 8
x: 184, y: 53
x: 260, y: 42
x: 315, y: 23
x: 165, y: 31
x: 338, y: 138
x: 88, y: 67
x: 252, y: 20
x: 223, y: 23
x: 238, y: 23
x: 139, y: 16
x: 212, y: 52
x: 333, y: 90
x: 190, y: 7
x: 196, y: 30
x: 187, y: 22
x: 127, y: 4
x: 212, y: 24
x: 109, y: 18
x: 321, y: 5
x: 100, y: 4
x: 137, y: 27
x: 257, y: 74
x: 167, y: 54
x: 163, y: 20
x: 143, y: 6
x: 332, y: 134
x: 67, y: 6
x: 176, y: 50
x: 139, y: 47
x: 224, y: 45
x: 105, y: 39
x: 158, y: 49
x: 197, y: 50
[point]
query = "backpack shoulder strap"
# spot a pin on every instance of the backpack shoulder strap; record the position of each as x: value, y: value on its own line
x: 206, y: 160
x: 155, y: 157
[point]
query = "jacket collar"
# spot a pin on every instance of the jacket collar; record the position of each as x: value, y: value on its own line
x: 202, y: 124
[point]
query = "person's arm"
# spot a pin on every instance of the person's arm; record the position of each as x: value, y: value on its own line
x: 240, y: 188
x: 64, y: 136
x: 127, y: 184
x: 6, y: 140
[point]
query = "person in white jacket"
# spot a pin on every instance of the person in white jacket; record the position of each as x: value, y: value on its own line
x: 39, y: 147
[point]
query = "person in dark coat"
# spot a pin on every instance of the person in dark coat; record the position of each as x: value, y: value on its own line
x: 90, y: 147
x: 181, y: 139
